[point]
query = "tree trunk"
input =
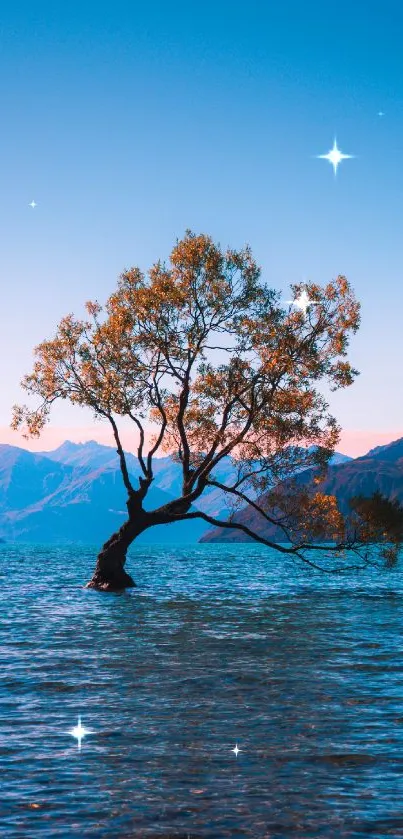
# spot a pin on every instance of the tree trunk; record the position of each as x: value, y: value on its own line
x: 109, y: 574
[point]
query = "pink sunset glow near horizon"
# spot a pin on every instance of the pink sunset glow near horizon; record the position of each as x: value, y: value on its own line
x: 353, y: 442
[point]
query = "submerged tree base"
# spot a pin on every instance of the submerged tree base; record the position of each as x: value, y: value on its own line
x: 118, y: 582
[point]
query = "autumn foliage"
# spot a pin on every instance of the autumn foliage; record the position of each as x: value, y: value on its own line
x: 205, y: 353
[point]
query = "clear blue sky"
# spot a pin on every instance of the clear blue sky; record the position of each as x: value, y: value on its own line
x: 129, y: 122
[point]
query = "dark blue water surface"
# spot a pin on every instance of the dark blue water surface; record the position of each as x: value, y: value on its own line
x: 217, y: 646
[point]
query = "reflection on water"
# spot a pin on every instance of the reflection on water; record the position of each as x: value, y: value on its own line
x: 216, y: 646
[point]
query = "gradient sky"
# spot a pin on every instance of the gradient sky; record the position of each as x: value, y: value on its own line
x: 129, y: 122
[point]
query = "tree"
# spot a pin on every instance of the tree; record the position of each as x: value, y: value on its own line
x: 202, y: 351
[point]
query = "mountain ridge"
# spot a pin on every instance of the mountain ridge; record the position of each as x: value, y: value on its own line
x: 76, y: 493
x: 383, y: 471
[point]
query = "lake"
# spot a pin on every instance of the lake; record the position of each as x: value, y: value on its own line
x: 218, y: 646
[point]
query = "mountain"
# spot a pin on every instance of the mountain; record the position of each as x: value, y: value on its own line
x: 76, y: 493
x: 90, y: 455
x: 167, y: 472
x: 392, y: 452
x: 339, y: 458
x: 45, y: 500
x: 381, y: 469
x: 26, y: 478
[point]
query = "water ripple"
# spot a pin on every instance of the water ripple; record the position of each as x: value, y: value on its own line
x: 216, y: 646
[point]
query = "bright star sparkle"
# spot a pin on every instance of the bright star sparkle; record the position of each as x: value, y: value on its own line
x: 79, y: 732
x: 335, y: 156
x: 33, y: 205
x: 236, y: 750
x: 302, y: 302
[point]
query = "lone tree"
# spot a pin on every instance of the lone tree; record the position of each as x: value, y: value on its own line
x: 202, y: 352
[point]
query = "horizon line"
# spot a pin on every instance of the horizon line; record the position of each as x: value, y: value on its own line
x: 353, y: 442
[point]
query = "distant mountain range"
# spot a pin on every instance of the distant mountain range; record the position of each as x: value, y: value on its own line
x: 167, y: 474
x: 381, y: 469
x: 76, y: 493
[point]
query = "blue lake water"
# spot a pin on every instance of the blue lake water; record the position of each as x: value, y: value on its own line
x: 217, y: 646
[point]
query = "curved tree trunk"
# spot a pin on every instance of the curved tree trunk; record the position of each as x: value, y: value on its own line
x: 109, y: 574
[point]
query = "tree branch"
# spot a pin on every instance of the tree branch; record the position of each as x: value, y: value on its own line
x: 122, y: 458
x: 294, y: 551
x: 249, y: 502
x: 141, y: 443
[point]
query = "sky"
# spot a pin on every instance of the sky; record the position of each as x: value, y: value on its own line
x: 129, y: 122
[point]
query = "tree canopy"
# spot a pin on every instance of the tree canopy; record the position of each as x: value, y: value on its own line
x: 204, y: 353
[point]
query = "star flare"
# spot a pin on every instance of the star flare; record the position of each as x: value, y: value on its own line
x: 335, y: 156
x: 79, y: 732
x: 302, y: 302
